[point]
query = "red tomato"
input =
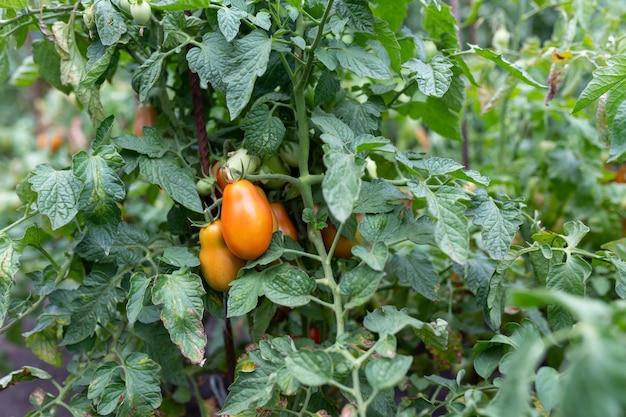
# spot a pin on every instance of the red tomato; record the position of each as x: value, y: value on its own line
x: 315, y: 335
x: 218, y: 264
x: 247, y: 220
x: 285, y: 225
x: 145, y: 115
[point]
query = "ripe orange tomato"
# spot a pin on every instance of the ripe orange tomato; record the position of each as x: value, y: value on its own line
x: 218, y: 264
x: 247, y: 220
x: 285, y: 225
x: 52, y: 142
x: 145, y: 115
x: 274, y: 218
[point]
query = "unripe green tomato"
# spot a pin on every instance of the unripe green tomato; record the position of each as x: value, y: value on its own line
x: 205, y: 186
x: 124, y: 5
x: 430, y: 50
x: 273, y: 165
x: 141, y: 12
x: 290, y: 153
x: 89, y: 18
x: 240, y: 164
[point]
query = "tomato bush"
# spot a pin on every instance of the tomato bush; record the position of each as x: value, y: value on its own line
x: 448, y: 176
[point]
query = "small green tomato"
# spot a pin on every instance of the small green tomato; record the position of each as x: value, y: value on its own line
x: 141, y: 12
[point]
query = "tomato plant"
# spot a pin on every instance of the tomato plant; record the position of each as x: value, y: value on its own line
x: 459, y: 247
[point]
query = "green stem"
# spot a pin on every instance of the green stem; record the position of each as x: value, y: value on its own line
x: 305, y: 254
x: 19, y: 221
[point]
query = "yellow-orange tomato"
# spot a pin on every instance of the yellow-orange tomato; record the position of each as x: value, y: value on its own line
x: 218, y: 264
x: 274, y: 218
x: 145, y: 115
x: 247, y: 221
x: 285, y: 225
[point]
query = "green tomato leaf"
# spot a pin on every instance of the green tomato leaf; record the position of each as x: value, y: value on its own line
x: 93, y: 303
x: 178, y: 183
x: 139, y: 284
x: 570, y: 277
x: 617, y: 128
x: 244, y: 292
x: 376, y: 258
x: 509, y: 67
x: 357, y: 13
x: 256, y: 378
x: 48, y: 61
x: 58, y: 194
x: 263, y: 132
x: 386, y: 373
x: 391, y: 11
x: 229, y: 19
x: 389, y: 320
x: 9, y: 265
x: 310, y: 367
x: 620, y: 276
x: 180, y: 256
x: 418, y: 270
x: 360, y: 284
x: 451, y: 226
x: 336, y: 134
x: 159, y: 346
x: 249, y: 60
x: 45, y: 345
x: 147, y: 75
x: 433, y: 78
x: 326, y: 88
x: 178, y: 4
x: 547, y: 384
x: 73, y: 71
x: 363, y: 63
x: 362, y: 118
x: 378, y: 196
x: 14, y: 4
x: 109, y: 22
x: 389, y: 41
x: 605, y: 79
x: 210, y: 60
x: 341, y: 184
x: 499, y: 223
x: 288, y: 285
x: 181, y: 294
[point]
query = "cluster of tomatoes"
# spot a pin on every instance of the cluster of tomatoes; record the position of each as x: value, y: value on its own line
x: 246, y: 225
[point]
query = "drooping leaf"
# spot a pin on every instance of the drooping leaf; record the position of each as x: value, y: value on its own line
x: 210, y: 60
x: 181, y: 294
x: 139, y: 283
x: 245, y: 292
x: 229, y: 19
x: 24, y: 374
